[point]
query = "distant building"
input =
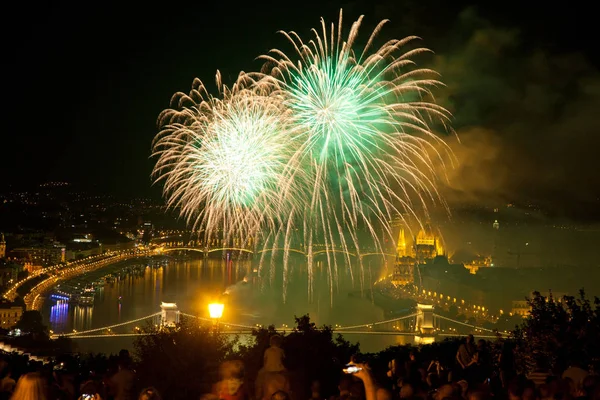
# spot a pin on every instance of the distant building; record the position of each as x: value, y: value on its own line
x: 478, y: 262
x: 522, y: 308
x: 2, y: 246
x: 9, y: 272
x: 404, y: 264
x: 9, y: 315
x: 41, y: 256
x: 30, y: 267
x: 83, y: 238
x: 452, y: 283
x: 428, y: 245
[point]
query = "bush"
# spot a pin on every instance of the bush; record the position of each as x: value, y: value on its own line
x: 181, y: 363
x: 558, y: 332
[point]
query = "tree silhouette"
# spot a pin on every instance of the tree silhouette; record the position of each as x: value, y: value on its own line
x: 183, y: 363
x: 558, y: 332
x: 31, y: 322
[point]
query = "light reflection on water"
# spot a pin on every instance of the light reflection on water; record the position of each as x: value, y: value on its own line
x: 59, y: 316
x: 192, y: 284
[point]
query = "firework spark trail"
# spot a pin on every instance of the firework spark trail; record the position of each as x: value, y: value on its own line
x: 368, y: 142
x: 225, y: 161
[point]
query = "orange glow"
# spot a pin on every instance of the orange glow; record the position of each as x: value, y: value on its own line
x: 216, y: 310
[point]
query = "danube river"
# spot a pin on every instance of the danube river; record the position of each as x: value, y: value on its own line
x: 193, y: 283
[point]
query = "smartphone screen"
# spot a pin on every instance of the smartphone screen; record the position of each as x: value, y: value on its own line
x: 352, y: 369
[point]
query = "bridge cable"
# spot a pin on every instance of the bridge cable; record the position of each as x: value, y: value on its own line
x: 376, y: 323
x: 465, y: 324
x: 110, y: 326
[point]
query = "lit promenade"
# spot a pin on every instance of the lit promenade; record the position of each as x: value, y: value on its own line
x: 57, y: 273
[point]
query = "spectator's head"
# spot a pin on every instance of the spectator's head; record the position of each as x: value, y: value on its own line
x: 407, y: 391
x: 461, y: 388
x: 275, y: 340
x: 544, y: 391
x: 470, y: 339
x: 149, y: 394
x: 345, y: 384
x: 31, y: 386
x: 412, y: 356
x: 514, y: 391
x: 478, y: 394
x: 383, y: 394
x: 528, y: 393
x: 90, y: 387
x: 124, y: 357
x: 232, y: 370
x: 315, y: 387
x: 280, y: 395
x: 445, y: 391
x: 3, y: 366
x: 589, y: 384
x: 553, y: 384
x: 481, y: 344
x: 357, y: 391
x: 567, y: 386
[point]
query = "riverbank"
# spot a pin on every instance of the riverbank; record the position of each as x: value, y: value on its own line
x: 53, y: 275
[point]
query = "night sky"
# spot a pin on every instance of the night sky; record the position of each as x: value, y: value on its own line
x: 83, y: 85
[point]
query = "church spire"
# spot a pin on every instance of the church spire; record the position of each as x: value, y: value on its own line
x: 401, y: 245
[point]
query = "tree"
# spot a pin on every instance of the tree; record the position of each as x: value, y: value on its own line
x: 310, y: 353
x: 313, y: 353
x: 183, y: 362
x: 31, y: 322
x: 558, y: 332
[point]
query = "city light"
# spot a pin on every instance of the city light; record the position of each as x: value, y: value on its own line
x: 215, y: 310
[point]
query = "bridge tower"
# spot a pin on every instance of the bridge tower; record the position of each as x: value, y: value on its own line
x: 424, y: 324
x: 169, y: 314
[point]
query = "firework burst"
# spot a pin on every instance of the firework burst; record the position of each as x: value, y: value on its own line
x: 225, y: 161
x: 368, y: 143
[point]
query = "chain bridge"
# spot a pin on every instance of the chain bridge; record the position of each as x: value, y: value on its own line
x: 424, y: 325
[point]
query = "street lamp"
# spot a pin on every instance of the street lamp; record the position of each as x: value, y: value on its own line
x: 215, y: 310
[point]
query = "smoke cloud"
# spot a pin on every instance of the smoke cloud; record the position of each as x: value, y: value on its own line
x: 527, y: 120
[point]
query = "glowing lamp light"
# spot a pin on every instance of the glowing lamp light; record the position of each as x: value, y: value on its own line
x: 216, y: 310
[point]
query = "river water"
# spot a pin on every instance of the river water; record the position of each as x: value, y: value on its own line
x: 193, y: 283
